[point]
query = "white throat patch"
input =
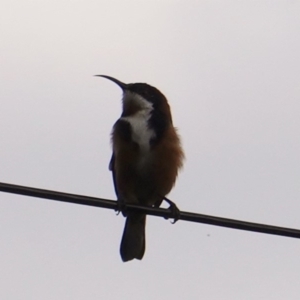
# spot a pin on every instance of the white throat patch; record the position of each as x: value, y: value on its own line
x: 141, y: 133
x: 137, y: 100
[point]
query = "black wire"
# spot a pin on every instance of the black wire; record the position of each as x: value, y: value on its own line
x: 160, y: 212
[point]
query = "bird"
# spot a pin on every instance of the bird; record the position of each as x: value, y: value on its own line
x: 146, y: 157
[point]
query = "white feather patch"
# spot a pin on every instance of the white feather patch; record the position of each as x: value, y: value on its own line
x: 141, y: 133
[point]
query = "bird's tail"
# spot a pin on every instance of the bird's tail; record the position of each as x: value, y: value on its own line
x: 133, y: 240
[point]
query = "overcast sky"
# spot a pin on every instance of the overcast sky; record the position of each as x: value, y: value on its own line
x: 231, y: 73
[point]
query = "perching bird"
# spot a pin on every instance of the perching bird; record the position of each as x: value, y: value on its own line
x: 146, y: 158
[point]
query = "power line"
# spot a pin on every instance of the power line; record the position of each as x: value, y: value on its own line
x: 160, y: 212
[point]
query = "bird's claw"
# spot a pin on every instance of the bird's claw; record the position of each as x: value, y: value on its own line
x: 121, y: 207
x: 175, y: 212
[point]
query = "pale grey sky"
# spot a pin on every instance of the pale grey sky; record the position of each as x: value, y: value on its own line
x: 231, y: 72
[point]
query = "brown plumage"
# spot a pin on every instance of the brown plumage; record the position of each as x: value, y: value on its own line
x: 146, y: 158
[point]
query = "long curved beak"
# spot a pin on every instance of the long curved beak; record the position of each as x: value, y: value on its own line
x: 121, y: 84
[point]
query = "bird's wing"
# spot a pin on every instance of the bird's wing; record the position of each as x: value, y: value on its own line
x: 121, y: 130
x: 112, y: 168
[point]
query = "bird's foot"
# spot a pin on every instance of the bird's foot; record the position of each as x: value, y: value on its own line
x: 175, y: 212
x: 121, y: 207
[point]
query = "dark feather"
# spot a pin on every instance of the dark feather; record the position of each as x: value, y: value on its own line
x: 112, y: 168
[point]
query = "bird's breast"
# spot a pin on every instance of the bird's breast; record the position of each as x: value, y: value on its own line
x: 141, y: 134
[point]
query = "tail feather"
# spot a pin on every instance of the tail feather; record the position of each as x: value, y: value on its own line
x: 133, y: 240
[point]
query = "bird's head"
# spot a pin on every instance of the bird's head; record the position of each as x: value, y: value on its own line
x: 142, y: 97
